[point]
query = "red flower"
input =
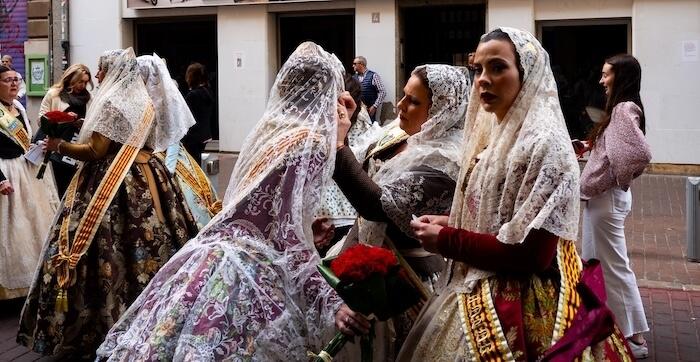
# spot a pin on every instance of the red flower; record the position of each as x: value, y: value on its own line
x: 361, y: 261
x: 58, y: 117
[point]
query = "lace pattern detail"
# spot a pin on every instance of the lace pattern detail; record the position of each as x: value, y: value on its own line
x: 528, y: 176
x: 438, y: 144
x: 119, y: 103
x: 173, y: 116
x: 247, y: 287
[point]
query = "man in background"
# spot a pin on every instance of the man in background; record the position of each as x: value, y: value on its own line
x: 373, y: 92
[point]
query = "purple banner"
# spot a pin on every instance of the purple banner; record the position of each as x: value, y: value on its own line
x: 13, y: 31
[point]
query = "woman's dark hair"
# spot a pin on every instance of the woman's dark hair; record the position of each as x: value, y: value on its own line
x: 498, y: 34
x: 422, y: 74
x: 625, y: 88
x: 354, y: 87
x: 4, y: 69
x: 195, y: 75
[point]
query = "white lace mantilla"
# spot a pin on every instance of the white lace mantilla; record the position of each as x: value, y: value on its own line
x: 173, y: 116
x: 528, y: 177
x: 247, y: 288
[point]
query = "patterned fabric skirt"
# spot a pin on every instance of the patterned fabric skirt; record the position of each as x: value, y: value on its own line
x: 525, y: 312
x: 25, y: 218
x: 145, y: 224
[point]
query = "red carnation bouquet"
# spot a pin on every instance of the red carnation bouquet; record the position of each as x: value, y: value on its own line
x: 53, y: 124
x: 375, y: 282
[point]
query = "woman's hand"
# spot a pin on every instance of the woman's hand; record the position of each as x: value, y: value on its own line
x: 441, y: 220
x: 73, y: 114
x: 427, y: 228
x: 351, y: 323
x: 346, y: 106
x: 6, y: 188
x: 349, y: 103
x: 323, y: 231
x: 52, y: 143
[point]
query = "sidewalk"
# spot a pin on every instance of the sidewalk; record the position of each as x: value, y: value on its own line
x: 670, y: 285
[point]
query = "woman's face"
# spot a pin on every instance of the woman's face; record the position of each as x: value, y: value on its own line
x: 607, y: 78
x: 9, y: 85
x: 414, y: 106
x: 79, y: 85
x: 496, y: 77
x: 100, y: 75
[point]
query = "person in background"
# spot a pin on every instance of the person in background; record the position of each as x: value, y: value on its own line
x: 70, y: 95
x: 169, y: 104
x: 122, y: 218
x: 515, y: 288
x: 619, y: 154
x: 373, y: 92
x: 27, y: 204
x: 7, y: 62
x: 200, y: 99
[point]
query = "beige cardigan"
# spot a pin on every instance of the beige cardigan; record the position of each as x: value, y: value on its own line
x: 52, y: 102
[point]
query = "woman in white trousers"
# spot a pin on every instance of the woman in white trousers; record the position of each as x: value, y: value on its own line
x: 619, y: 153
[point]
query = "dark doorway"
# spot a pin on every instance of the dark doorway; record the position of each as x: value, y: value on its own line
x: 577, y: 53
x: 334, y: 32
x: 439, y: 34
x: 181, y: 43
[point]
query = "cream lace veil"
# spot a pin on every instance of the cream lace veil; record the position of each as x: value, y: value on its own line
x: 173, y: 116
x: 438, y: 146
x: 528, y: 177
x: 118, y: 105
x: 260, y: 247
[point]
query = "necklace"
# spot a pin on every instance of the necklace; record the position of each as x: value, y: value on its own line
x: 6, y: 104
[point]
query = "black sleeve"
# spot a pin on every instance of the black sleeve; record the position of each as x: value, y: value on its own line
x: 363, y: 193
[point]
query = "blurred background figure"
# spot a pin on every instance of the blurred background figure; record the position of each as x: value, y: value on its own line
x: 201, y: 102
x: 373, y: 92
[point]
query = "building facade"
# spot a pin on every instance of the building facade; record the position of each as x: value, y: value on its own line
x: 244, y: 42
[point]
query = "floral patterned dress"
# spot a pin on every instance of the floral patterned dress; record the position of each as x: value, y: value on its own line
x: 146, y: 223
x: 246, y: 289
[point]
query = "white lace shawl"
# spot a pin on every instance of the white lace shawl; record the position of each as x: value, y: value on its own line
x: 118, y: 105
x: 173, y: 116
x: 528, y: 177
x: 437, y: 145
x: 261, y: 243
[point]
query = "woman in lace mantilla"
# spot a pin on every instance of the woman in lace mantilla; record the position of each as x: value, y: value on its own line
x: 512, y: 288
x: 411, y: 170
x: 247, y: 287
x: 100, y: 254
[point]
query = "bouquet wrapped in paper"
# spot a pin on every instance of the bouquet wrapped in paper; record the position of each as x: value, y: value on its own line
x: 373, y: 281
x: 54, y: 124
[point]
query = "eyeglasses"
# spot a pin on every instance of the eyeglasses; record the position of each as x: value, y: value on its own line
x: 356, y: 63
x: 10, y: 80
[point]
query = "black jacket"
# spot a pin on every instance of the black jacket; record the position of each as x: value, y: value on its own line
x: 201, y: 103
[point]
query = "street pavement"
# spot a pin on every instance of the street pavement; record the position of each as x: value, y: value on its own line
x: 656, y: 239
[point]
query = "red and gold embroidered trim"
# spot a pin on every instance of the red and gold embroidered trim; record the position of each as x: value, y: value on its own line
x: 482, y: 328
x: 570, y: 269
x: 70, y: 253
